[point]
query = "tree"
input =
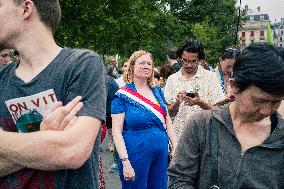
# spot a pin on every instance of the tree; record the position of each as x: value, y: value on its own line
x: 208, y: 34
x: 269, y: 37
x: 124, y: 26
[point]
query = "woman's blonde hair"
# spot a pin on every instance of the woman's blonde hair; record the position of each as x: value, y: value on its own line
x: 128, y: 77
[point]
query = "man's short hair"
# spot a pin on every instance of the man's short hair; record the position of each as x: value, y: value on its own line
x: 172, y: 53
x: 261, y: 65
x: 49, y: 12
x: 192, y: 46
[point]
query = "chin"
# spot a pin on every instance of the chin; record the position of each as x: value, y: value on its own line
x: 189, y: 71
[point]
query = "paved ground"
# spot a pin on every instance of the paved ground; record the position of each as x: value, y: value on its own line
x: 112, y: 179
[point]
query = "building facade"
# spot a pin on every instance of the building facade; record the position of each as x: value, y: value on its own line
x: 278, y: 33
x: 254, y: 28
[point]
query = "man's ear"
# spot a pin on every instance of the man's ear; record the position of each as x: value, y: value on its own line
x: 28, y: 9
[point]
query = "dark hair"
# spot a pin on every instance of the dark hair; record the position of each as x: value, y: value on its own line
x: 166, y: 71
x: 157, y: 75
x: 110, y: 69
x: 280, y: 51
x: 49, y: 12
x: 172, y: 53
x: 261, y: 65
x: 192, y: 46
x: 230, y: 53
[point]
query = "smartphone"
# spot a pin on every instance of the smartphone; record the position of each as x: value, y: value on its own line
x: 191, y: 94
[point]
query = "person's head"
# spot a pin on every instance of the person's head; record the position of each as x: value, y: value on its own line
x: 112, y: 71
x: 190, y: 52
x: 140, y: 66
x: 49, y: 11
x: 172, y: 54
x: 258, y: 81
x: 124, y: 67
x: 166, y: 71
x: 18, y: 16
x: 113, y: 61
x: 5, y: 57
x: 228, y: 59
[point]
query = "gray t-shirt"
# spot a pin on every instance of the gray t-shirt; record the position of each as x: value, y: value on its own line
x: 72, y: 73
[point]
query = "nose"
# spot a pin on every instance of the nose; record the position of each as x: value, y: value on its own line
x: 266, y: 109
x: 190, y: 65
x: 146, y: 66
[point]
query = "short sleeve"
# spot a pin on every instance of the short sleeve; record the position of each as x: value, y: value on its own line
x: 87, y: 78
x: 215, y: 91
x: 118, y: 105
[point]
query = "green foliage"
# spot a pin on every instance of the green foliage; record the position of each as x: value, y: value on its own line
x: 209, y: 36
x: 269, y: 38
x: 123, y: 26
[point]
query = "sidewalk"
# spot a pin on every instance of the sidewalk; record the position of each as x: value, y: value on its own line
x: 112, y: 179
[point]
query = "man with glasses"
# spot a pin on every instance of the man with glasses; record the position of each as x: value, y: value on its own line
x: 202, y: 83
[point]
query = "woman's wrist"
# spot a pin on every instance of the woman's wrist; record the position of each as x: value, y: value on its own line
x: 125, y: 162
x: 124, y: 159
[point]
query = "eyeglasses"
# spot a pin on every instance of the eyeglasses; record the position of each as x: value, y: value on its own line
x: 185, y: 61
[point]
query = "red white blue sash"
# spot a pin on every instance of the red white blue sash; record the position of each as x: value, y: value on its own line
x: 144, y: 102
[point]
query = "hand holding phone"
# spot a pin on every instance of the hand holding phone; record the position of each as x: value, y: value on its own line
x: 192, y: 94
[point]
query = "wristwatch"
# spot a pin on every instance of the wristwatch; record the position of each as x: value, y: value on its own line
x: 124, y: 159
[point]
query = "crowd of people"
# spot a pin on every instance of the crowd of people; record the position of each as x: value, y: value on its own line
x: 184, y: 125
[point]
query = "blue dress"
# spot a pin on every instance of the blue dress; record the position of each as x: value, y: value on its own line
x: 146, y: 142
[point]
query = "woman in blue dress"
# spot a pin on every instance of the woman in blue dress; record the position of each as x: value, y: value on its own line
x: 141, y: 127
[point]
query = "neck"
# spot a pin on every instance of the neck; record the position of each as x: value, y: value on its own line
x: 140, y: 83
x: 243, y: 121
x: 188, y: 75
x: 37, y: 49
x: 235, y: 114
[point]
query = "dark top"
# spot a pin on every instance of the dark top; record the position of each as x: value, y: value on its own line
x: 258, y: 167
x: 176, y: 66
x: 72, y: 73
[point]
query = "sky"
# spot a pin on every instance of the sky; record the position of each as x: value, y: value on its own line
x: 274, y: 8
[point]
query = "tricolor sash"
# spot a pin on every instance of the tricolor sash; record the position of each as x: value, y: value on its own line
x: 138, y: 99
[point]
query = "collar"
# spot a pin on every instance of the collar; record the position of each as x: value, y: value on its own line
x: 275, y: 140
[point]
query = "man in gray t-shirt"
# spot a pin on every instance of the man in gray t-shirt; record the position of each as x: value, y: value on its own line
x: 56, y: 156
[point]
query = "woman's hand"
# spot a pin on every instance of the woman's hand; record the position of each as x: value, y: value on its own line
x: 128, y: 171
x: 62, y: 117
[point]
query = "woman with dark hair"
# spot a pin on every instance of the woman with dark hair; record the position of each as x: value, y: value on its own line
x: 165, y: 72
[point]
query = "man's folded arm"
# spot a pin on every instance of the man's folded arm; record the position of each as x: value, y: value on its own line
x: 51, y: 150
x: 7, y: 167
